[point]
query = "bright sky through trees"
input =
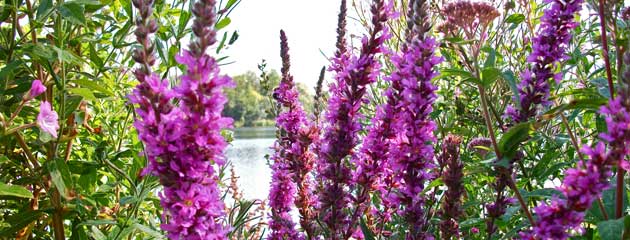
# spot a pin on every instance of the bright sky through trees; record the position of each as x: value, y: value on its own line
x: 310, y: 27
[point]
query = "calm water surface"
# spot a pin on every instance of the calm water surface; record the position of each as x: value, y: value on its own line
x: 247, y: 153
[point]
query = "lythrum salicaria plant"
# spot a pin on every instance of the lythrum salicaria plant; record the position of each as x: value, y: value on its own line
x: 583, y: 184
x: 411, y: 157
x: 452, y: 174
x: 180, y: 127
x: 353, y: 75
x: 292, y: 159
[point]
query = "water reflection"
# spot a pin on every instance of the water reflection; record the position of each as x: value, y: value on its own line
x: 247, y: 153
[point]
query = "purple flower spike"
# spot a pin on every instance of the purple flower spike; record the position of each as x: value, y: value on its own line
x: 292, y: 160
x: 181, y: 128
x: 47, y: 119
x: 411, y: 157
x: 452, y: 175
x: 549, y: 48
x: 353, y: 74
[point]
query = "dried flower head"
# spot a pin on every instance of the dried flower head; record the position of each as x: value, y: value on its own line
x: 468, y: 16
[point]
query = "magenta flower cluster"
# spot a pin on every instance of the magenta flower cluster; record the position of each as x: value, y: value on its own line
x: 583, y: 184
x: 181, y: 129
x: 412, y: 155
x: 353, y: 75
x: 184, y: 145
x: 292, y: 160
x: 548, y: 49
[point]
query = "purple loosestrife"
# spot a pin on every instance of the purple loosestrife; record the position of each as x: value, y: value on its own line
x: 549, y: 49
x: 183, y: 142
x: 585, y: 183
x: 342, y: 120
x: 452, y: 176
x: 411, y: 154
x: 292, y: 160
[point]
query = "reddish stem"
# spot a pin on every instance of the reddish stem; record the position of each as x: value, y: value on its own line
x: 611, y: 88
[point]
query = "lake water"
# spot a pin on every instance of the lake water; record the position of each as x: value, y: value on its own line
x: 247, y: 153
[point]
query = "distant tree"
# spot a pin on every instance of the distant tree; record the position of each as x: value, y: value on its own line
x: 247, y: 103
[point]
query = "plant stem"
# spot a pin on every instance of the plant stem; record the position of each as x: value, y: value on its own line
x: 511, y: 184
x: 27, y: 150
x: 17, y: 111
x: 611, y: 88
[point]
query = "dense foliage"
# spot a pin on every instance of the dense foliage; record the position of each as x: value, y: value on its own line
x: 442, y: 120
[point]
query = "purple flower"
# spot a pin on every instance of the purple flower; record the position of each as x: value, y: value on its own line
x: 292, y: 160
x: 353, y: 74
x: 411, y: 153
x: 583, y: 184
x: 47, y: 119
x: 181, y: 128
x: 37, y: 88
x: 411, y: 157
x: 549, y: 48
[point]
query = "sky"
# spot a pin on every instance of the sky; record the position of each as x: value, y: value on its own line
x: 310, y: 27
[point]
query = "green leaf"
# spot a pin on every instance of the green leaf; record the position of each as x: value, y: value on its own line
x: 508, y: 145
x: 433, y: 184
x: 489, y: 76
x: 509, y: 77
x: 94, y: 56
x: 611, y: 229
x: 45, y: 6
x: 19, y: 221
x: 9, y: 68
x: 230, y: 4
x: 233, y: 38
x: 83, y: 92
x: 223, y: 23
x: 455, y: 72
x: 98, y: 222
x: 626, y: 228
x: 60, y: 176
x: 516, y: 18
x: 14, y: 191
x: 92, y: 85
x: 119, y: 37
x: 222, y: 43
x: 609, y: 197
x: 546, y: 193
x: 492, y: 57
x: 72, y: 103
x: 73, y: 12
x: 97, y: 234
x: 151, y: 232
x: 367, y: 233
x: 183, y: 22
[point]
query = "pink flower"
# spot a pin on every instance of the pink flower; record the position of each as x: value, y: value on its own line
x: 48, y: 120
x: 37, y: 88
